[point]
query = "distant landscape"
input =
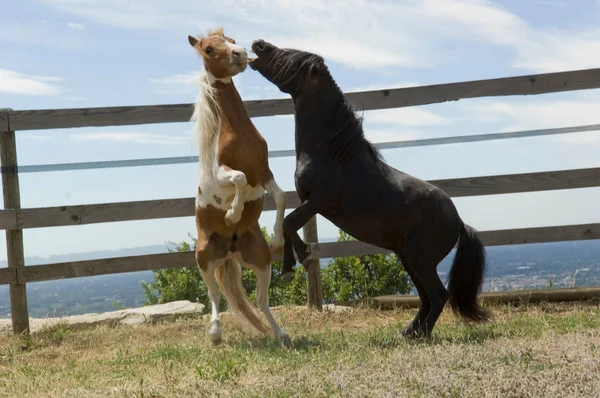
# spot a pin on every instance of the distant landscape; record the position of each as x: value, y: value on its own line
x: 560, y: 264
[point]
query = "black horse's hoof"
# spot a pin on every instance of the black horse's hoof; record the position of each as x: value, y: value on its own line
x: 414, y: 333
x: 287, y: 277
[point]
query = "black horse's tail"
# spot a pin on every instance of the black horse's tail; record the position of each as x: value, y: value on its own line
x: 466, y: 276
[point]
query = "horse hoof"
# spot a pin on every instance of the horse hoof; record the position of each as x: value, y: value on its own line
x: 288, y: 277
x: 411, y: 333
x: 215, y: 332
x: 285, y: 339
x: 215, y: 338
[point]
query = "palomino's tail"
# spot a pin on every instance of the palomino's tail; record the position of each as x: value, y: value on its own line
x: 229, y: 278
x: 466, y: 276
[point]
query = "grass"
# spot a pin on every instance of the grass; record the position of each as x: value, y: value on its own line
x: 527, y: 351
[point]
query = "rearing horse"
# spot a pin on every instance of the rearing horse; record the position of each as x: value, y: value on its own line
x: 341, y: 175
x: 234, y: 174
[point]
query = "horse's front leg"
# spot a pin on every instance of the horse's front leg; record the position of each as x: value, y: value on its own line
x: 291, y: 224
x: 226, y: 176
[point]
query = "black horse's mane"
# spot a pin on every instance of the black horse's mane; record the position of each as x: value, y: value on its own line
x: 347, y: 137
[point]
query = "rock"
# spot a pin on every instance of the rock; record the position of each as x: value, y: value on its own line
x: 336, y: 308
x: 130, y: 316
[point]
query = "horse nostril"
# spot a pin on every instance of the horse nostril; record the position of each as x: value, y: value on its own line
x: 260, y: 44
x: 236, y: 53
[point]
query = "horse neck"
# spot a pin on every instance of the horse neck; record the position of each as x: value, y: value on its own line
x: 230, y: 102
x: 321, y: 120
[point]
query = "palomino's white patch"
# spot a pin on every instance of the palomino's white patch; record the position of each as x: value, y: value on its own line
x: 210, y: 189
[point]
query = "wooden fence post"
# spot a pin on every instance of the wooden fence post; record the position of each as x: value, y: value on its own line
x: 14, y: 237
x: 314, y: 286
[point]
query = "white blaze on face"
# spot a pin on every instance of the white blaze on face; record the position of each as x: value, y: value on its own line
x: 237, y: 49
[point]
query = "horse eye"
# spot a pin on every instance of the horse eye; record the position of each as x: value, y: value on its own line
x: 208, y: 50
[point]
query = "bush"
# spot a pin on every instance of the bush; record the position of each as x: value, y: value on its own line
x: 186, y: 283
x: 361, y: 277
x: 345, y: 278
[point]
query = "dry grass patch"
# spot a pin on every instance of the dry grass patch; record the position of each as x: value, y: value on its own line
x: 528, y: 351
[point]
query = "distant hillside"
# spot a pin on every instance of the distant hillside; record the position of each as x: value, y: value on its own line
x: 510, y: 267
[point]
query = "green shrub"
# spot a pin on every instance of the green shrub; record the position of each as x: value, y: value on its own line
x: 345, y: 278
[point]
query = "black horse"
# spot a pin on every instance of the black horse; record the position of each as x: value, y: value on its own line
x: 342, y: 176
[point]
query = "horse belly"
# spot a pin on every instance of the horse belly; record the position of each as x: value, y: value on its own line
x: 378, y: 218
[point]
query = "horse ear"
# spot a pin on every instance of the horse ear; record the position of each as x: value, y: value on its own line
x: 193, y: 41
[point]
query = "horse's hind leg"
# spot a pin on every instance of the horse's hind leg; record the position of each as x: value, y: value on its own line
x: 263, y: 280
x: 256, y: 256
x: 226, y: 176
x: 425, y: 304
x: 207, y: 272
x: 423, y: 251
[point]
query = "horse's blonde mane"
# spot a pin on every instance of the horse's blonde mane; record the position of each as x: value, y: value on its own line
x: 208, y: 125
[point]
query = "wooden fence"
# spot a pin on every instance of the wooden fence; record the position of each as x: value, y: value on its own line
x: 14, y: 219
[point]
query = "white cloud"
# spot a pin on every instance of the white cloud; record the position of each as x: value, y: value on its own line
x: 12, y: 82
x: 35, y: 137
x: 412, y: 116
x: 362, y: 34
x: 133, y: 137
x: 75, y: 26
x: 358, y: 33
x: 185, y: 83
x: 179, y: 83
x: 389, y: 135
x: 531, y: 114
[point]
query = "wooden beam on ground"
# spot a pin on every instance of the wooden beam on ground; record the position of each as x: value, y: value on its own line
x: 505, y: 297
x: 365, y: 100
x: 184, y: 207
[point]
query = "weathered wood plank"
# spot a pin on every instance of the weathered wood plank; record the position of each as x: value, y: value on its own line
x: 8, y: 275
x: 514, y: 296
x: 14, y: 238
x: 78, y: 269
x: 104, y: 266
x: 184, y: 207
x: 525, y: 182
x: 489, y: 238
x: 8, y: 218
x: 3, y: 120
x: 365, y: 100
x: 116, y: 265
x: 111, y: 212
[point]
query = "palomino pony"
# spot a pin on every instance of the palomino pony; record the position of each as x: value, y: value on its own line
x: 341, y: 176
x: 234, y: 174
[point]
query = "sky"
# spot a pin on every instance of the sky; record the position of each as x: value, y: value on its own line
x: 94, y: 53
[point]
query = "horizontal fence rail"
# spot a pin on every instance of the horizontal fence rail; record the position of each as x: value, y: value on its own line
x: 77, y: 269
x: 364, y: 100
x: 184, y: 207
x: 106, y: 164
